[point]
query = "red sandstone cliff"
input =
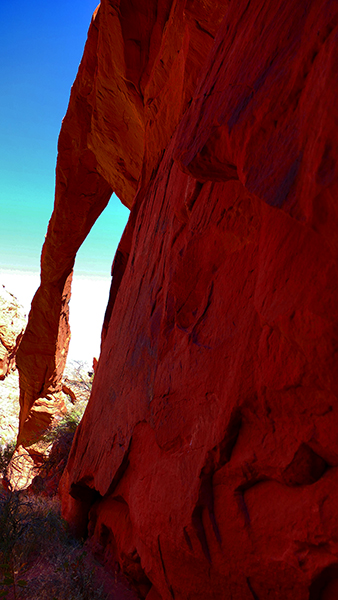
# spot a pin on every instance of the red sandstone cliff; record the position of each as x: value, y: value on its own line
x: 206, y: 462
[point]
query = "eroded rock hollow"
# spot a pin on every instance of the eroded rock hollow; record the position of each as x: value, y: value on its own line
x: 206, y: 462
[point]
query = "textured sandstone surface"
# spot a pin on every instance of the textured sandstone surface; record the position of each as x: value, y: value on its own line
x: 137, y: 75
x: 206, y: 461
x: 12, y: 326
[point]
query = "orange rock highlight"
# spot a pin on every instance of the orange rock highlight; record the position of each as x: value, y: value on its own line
x: 206, y: 462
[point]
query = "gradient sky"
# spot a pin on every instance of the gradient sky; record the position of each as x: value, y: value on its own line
x: 41, y: 47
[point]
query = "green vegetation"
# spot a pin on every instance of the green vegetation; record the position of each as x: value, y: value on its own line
x: 6, y: 453
x: 39, y: 559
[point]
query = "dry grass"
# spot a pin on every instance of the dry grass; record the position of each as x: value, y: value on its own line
x: 39, y: 560
x: 78, y: 377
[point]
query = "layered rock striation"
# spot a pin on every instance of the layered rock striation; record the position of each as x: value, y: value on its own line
x: 206, y: 462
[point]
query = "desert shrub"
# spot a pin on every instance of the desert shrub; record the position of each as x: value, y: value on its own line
x: 57, y: 441
x: 38, y: 558
x: 71, y: 578
x: 79, y: 379
x: 6, y: 453
x: 62, y: 432
x: 27, y: 527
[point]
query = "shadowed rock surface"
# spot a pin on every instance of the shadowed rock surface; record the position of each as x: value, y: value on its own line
x: 206, y: 462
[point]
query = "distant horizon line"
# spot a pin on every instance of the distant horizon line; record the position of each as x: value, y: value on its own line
x: 77, y: 273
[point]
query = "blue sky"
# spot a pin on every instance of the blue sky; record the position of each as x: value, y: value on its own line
x: 41, y: 47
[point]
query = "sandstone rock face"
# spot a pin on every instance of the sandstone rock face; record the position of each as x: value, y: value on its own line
x: 206, y: 461
x: 12, y: 326
x: 137, y: 75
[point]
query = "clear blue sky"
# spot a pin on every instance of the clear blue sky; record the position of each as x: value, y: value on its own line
x: 41, y: 48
